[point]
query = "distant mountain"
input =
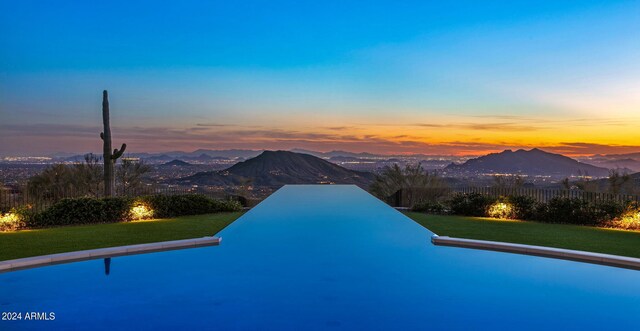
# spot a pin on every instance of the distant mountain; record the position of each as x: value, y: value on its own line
x: 619, y: 156
x: 176, y: 163
x: 277, y: 168
x: 434, y: 164
x: 533, y: 162
x: 226, y: 153
x: 202, y: 157
x: 349, y: 159
x: 623, y: 164
x: 207, y: 155
x: 158, y: 158
x: 335, y: 154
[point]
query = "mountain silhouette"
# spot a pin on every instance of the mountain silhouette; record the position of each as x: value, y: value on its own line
x: 534, y: 162
x: 278, y: 168
x: 177, y: 163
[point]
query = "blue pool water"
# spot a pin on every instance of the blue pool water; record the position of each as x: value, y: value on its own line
x: 325, y: 257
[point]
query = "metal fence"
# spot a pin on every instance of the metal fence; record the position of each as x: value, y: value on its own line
x: 39, y: 201
x: 407, y: 197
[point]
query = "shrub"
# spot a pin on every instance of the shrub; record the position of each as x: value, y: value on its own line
x: 84, y: 211
x: 14, y: 219
x: 164, y: 206
x: 562, y: 210
x: 606, y: 211
x: 581, y: 212
x: 141, y: 211
x: 524, y: 207
x: 629, y: 219
x: 470, y: 204
x: 429, y: 207
x: 501, y: 208
x: 123, y: 209
x: 227, y: 206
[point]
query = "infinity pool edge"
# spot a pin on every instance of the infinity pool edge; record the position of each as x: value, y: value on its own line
x: 91, y: 254
x: 542, y: 251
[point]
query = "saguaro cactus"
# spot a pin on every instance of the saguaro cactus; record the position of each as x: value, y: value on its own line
x: 109, y: 156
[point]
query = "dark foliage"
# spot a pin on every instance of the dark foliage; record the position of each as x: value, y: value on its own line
x: 470, y: 204
x: 415, y: 184
x: 524, y: 207
x: 430, y: 207
x: 83, y: 211
x: 187, y: 204
x: 578, y: 211
x: 605, y: 211
x: 557, y: 210
x: 118, y: 209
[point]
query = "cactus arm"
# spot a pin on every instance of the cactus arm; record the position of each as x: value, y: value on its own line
x: 118, y: 153
x: 102, y: 135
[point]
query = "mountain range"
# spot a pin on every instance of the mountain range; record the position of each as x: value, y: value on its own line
x: 228, y: 154
x: 176, y: 163
x: 277, y: 168
x: 534, y: 162
x: 614, y: 161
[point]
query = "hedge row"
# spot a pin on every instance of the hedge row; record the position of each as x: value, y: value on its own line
x: 557, y: 210
x: 188, y: 204
x: 113, y: 210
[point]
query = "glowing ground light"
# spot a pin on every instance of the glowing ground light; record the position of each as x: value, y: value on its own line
x: 141, y: 211
x: 8, y: 218
x: 500, y: 210
x: 630, y: 219
x: 9, y: 222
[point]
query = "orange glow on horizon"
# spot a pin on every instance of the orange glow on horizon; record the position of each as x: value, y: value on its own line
x: 404, y: 135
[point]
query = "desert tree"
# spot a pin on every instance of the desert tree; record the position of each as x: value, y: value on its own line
x: 87, y: 175
x: 54, y: 182
x: 61, y: 180
x: 418, y: 183
x: 388, y: 182
x: 585, y: 183
x: 619, y: 183
x: 130, y: 174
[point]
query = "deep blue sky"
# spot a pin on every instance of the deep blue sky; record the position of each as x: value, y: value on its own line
x: 416, y: 76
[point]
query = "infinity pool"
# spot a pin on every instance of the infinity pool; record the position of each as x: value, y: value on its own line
x: 325, y: 257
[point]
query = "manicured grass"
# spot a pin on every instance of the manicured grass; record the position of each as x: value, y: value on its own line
x: 20, y: 244
x: 585, y: 238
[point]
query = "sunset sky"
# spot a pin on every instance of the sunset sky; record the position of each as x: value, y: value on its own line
x: 394, y: 77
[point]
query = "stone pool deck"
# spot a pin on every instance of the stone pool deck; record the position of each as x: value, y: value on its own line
x: 557, y: 253
x: 44, y: 260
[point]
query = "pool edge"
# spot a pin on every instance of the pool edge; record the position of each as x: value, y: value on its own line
x: 542, y: 251
x: 91, y: 254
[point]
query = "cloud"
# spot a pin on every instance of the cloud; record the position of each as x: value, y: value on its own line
x: 214, y: 125
x: 496, y: 126
x: 426, y: 125
x: 340, y: 128
x: 48, y: 138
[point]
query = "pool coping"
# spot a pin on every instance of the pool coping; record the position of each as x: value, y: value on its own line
x: 91, y: 254
x: 551, y: 252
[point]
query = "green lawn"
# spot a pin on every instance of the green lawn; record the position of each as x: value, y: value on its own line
x: 73, y: 238
x: 609, y: 241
